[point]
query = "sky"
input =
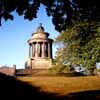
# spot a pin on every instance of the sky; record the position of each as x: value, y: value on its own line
x: 14, y: 48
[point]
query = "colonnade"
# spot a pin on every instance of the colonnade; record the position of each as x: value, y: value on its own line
x: 40, y: 49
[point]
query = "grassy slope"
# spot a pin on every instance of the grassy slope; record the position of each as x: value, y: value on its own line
x: 63, y: 85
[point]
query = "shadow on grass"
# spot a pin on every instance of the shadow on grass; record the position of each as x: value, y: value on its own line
x: 11, y: 88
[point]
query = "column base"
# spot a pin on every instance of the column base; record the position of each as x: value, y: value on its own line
x: 41, y: 63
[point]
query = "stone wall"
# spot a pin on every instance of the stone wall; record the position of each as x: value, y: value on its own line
x: 23, y: 72
x: 11, y: 71
x: 29, y: 72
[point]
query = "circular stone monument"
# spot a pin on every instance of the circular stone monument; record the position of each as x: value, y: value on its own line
x: 40, y: 50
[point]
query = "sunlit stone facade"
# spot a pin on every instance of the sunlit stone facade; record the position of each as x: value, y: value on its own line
x: 40, y: 50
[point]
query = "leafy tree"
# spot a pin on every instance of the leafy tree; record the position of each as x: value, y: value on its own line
x: 81, y: 44
x: 60, y: 10
x: 81, y: 38
x: 63, y: 12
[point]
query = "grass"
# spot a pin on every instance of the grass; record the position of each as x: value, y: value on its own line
x: 63, y: 85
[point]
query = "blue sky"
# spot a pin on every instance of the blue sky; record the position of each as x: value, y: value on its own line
x: 14, y: 35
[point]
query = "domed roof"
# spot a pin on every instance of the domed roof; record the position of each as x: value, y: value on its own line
x: 39, y: 35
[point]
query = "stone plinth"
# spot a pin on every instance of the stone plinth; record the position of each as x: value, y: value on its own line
x: 41, y: 63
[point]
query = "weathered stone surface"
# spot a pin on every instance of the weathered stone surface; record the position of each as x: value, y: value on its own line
x: 40, y: 50
x: 41, y: 63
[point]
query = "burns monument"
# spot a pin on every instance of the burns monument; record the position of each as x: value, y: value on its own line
x: 40, y: 50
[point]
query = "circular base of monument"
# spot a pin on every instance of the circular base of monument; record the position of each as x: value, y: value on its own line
x: 41, y: 63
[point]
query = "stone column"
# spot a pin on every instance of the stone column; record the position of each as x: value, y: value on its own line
x: 36, y: 49
x: 40, y: 50
x: 43, y: 45
x: 49, y: 51
x: 30, y: 51
x: 45, y: 48
x: 33, y: 50
x: 39, y: 46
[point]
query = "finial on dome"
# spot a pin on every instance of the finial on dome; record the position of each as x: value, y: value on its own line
x: 40, y: 24
x: 40, y: 28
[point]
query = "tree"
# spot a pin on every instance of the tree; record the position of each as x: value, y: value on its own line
x: 63, y: 12
x: 81, y: 44
x: 59, y: 9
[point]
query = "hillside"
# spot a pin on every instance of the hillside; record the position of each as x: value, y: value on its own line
x: 67, y: 87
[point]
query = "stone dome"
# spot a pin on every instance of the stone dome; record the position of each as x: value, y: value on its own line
x: 40, y: 34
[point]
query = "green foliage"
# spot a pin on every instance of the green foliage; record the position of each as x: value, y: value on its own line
x: 81, y: 44
x: 98, y: 70
x: 64, y: 12
x: 54, y: 61
x: 60, y: 10
x: 57, y: 68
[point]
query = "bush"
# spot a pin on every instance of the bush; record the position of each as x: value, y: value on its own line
x: 57, y: 68
x: 98, y: 70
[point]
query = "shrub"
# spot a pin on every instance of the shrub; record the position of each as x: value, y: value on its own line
x: 57, y: 68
